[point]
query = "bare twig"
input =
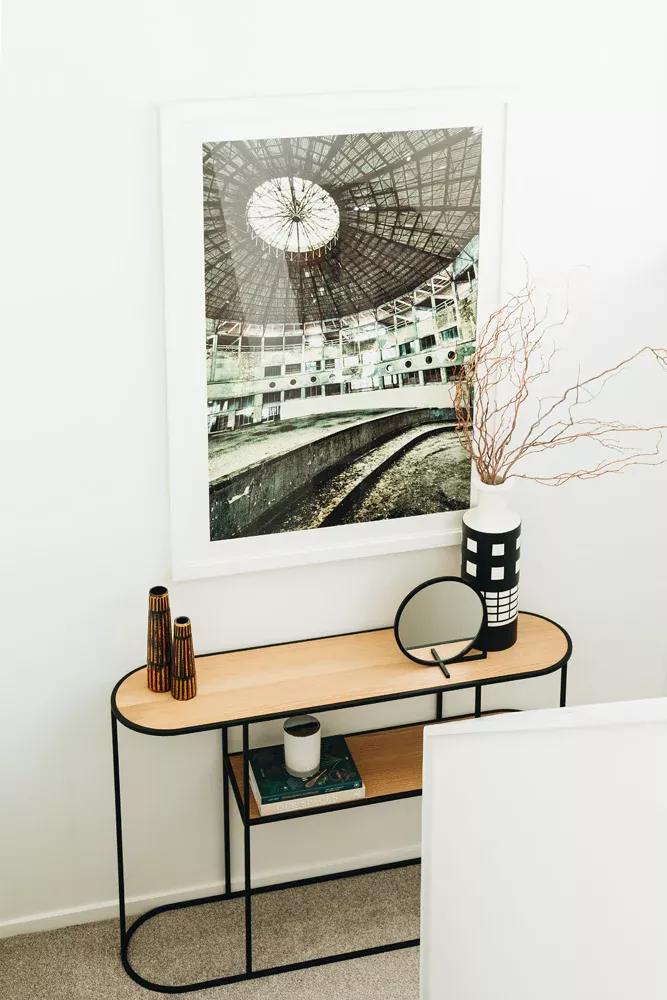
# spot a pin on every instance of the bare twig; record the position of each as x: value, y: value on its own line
x: 493, y: 385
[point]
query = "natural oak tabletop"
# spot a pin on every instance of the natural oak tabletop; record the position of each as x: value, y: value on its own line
x: 273, y: 681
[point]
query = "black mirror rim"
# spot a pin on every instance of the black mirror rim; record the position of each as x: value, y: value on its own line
x: 422, y: 586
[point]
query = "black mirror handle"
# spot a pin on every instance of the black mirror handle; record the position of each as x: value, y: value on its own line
x: 440, y: 664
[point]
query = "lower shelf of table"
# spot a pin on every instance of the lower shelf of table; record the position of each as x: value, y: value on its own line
x: 389, y: 761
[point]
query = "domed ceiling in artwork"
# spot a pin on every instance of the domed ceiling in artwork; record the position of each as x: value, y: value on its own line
x: 310, y: 229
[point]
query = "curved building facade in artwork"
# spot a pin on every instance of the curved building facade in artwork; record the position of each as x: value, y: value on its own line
x: 341, y: 291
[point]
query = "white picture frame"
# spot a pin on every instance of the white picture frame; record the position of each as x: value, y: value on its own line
x: 184, y: 127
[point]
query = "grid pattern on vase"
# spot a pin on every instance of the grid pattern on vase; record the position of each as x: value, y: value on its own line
x: 491, y: 562
x: 501, y: 606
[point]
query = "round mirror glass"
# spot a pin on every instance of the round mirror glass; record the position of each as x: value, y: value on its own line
x: 439, y: 620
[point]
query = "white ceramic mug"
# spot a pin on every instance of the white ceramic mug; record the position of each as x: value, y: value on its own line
x: 303, y: 742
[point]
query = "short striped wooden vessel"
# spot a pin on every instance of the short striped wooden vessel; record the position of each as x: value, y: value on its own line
x: 183, y: 688
x: 158, y: 654
x: 183, y: 676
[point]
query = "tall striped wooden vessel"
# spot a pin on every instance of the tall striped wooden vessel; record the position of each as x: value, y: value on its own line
x: 158, y: 654
x: 183, y: 677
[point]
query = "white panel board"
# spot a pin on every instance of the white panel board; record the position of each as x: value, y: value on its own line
x: 545, y: 855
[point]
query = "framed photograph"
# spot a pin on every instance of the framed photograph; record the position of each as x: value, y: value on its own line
x: 326, y: 262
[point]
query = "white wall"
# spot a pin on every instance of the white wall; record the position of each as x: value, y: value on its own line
x: 85, y: 499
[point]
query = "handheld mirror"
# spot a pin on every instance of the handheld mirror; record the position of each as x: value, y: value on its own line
x: 440, y: 621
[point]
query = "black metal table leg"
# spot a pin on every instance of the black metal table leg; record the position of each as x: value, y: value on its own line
x: 478, y: 700
x: 225, y: 806
x: 119, y: 834
x: 563, y: 685
x: 246, y: 851
x: 438, y: 705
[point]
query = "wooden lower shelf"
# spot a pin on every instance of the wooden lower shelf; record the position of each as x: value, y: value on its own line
x: 389, y: 762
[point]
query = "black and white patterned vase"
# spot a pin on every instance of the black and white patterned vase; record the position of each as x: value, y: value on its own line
x: 490, y: 555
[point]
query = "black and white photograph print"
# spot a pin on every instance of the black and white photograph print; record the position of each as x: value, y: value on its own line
x: 340, y: 299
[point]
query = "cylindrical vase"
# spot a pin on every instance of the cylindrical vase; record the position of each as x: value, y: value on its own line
x: 490, y: 555
x: 183, y: 676
x: 303, y: 743
x: 158, y: 654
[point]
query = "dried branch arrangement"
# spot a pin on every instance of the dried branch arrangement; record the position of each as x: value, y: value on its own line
x: 500, y: 383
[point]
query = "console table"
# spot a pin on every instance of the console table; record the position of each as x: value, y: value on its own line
x: 255, y: 685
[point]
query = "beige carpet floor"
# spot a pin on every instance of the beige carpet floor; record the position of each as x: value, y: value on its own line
x: 82, y: 963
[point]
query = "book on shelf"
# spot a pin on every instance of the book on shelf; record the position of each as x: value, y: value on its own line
x: 276, y: 791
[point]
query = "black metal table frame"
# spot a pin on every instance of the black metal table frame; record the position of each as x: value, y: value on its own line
x: 243, y: 803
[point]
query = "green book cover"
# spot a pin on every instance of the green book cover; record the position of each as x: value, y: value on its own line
x: 336, y: 773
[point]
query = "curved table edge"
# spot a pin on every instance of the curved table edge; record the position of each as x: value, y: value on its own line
x: 421, y: 692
